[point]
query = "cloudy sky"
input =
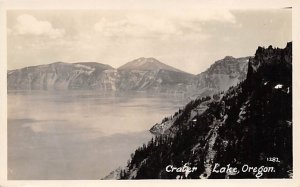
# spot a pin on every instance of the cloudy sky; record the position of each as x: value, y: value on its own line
x: 190, y: 40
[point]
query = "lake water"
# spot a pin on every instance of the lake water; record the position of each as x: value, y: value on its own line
x: 78, y: 134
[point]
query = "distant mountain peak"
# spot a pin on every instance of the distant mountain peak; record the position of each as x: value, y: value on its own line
x: 142, y: 60
x: 228, y: 58
x: 147, y: 64
x: 146, y: 58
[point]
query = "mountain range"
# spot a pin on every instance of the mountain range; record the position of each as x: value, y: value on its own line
x: 142, y: 75
x: 249, y: 125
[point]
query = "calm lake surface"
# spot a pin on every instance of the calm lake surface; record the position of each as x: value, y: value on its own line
x: 78, y: 134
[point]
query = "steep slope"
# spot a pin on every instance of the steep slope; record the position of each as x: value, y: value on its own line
x: 245, y: 127
x: 116, y: 174
x: 148, y: 74
x: 63, y: 76
x: 221, y: 75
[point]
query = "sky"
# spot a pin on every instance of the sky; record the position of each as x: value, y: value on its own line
x: 190, y: 40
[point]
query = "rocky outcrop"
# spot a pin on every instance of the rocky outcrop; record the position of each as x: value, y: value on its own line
x: 222, y: 75
x: 248, y: 125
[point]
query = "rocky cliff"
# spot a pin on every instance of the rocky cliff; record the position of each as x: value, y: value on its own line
x: 63, y: 76
x: 142, y: 74
x: 250, y: 125
x: 218, y: 78
x: 221, y: 75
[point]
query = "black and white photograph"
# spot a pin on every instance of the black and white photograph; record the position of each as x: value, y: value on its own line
x: 149, y: 92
